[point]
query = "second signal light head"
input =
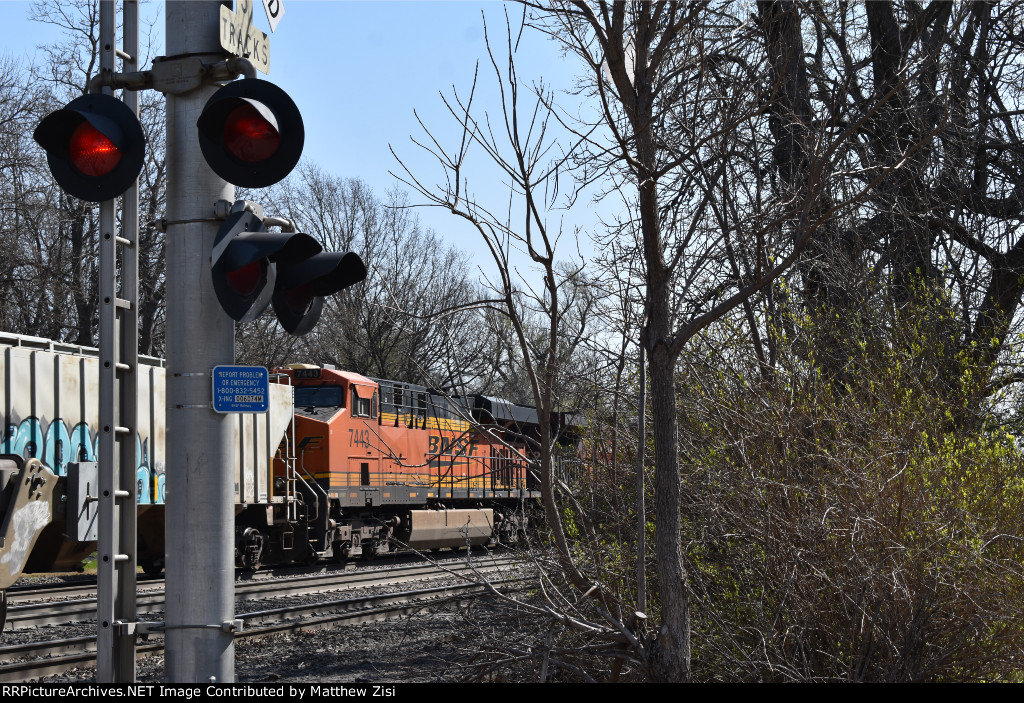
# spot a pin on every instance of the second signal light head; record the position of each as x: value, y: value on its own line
x: 252, y: 267
x: 251, y: 133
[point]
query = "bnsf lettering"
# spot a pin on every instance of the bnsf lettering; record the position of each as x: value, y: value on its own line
x: 452, y: 446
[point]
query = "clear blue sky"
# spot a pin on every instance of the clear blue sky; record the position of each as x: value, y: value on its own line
x: 358, y: 69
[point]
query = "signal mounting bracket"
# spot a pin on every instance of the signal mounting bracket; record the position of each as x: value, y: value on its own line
x: 183, y: 74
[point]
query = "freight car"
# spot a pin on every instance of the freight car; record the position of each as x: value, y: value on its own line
x: 342, y: 465
x: 48, y: 418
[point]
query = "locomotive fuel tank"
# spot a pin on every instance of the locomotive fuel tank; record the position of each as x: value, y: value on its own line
x: 430, y: 529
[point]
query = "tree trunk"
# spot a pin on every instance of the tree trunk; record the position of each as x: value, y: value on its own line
x: 670, y: 657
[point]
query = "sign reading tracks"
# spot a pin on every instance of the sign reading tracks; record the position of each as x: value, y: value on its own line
x: 241, y: 38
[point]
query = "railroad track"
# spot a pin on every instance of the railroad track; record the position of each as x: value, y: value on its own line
x: 28, y: 661
x: 28, y: 592
x: 79, y: 604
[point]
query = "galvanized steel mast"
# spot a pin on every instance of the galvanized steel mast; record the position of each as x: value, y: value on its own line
x: 200, y: 477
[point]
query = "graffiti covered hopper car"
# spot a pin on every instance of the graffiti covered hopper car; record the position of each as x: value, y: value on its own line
x: 49, y: 412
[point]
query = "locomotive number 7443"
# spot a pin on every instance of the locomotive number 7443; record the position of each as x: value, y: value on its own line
x: 359, y: 438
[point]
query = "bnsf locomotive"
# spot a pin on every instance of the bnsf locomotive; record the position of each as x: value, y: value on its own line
x: 376, y: 463
x: 340, y: 466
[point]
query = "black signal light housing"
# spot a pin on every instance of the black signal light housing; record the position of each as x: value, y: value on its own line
x: 251, y: 133
x: 243, y: 263
x: 252, y: 267
x: 302, y: 283
x: 94, y: 146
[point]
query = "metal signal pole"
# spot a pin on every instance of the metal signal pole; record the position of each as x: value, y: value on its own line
x: 200, y: 476
x: 116, y: 546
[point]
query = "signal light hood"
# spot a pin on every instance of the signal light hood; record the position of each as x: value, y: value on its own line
x: 251, y: 133
x: 84, y: 165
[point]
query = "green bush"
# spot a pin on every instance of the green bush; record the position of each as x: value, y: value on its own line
x: 854, y: 521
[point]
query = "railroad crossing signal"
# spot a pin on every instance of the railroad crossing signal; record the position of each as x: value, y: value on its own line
x: 252, y: 268
x: 94, y: 146
x: 251, y: 133
x: 302, y: 284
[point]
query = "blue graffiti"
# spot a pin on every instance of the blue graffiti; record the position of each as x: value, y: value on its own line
x: 29, y: 442
x: 144, y: 488
x: 81, y: 446
x: 58, y: 447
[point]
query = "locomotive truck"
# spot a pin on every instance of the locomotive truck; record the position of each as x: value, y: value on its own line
x: 340, y: 466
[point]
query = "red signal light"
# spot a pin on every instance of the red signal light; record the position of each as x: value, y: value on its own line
x: 299, y: 298
x: 248, y: 279
x: 251, y: 133
x: 249, y: 136
x: 91, y: 152
x: 94, y: 146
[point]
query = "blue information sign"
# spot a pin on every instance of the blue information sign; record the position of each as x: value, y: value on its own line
x: 241, y: 389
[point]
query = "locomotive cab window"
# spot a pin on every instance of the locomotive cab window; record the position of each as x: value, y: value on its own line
x: 361, y: 407
x: 319, y: 397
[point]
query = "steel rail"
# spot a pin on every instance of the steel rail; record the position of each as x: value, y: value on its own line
x: 77, y: 610
x: 80, y: 651
x: 29, y: 592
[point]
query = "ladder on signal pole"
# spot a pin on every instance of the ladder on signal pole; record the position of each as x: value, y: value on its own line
x: 116, y: 558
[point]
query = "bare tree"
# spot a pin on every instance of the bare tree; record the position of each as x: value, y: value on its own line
x: 907, y: 295
x: 676, y: 102
x: 684, y: 108
x: 52, y: 261
x: 152, y: 183
x: 409, y: 319
x: 931, y: 98
x: 546, y: 303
